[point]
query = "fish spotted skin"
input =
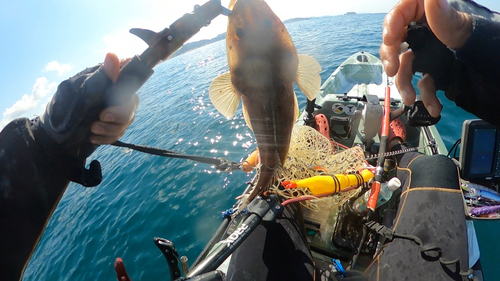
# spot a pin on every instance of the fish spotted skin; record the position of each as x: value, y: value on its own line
x: 263, y: 64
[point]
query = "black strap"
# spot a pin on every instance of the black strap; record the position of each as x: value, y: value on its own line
x: 426, y: 251
x: 220, y: 164
x: 391, y: 234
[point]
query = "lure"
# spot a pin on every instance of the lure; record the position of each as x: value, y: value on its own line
x: 476, y: 190
x: 477, y: 211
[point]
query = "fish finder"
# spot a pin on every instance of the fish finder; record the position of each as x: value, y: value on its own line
x: 480, y: 152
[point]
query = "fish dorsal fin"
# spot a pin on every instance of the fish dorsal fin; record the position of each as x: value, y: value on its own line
x: 308, y: 78
x: 231, y: 4
x: 223, y: 95
x: 247, y: 118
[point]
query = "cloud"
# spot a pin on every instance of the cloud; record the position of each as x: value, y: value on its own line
x: 60, y: 68
x: 41, y: 88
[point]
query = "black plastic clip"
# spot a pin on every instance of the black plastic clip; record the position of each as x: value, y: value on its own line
x: 418, y: 116
x: 168, y: 250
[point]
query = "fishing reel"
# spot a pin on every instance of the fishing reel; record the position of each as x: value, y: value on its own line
x: 348, y: 232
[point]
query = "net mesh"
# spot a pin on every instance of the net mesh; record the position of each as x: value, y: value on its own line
x: 312, y: 154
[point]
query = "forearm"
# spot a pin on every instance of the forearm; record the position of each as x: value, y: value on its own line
x: 477, y: 87
x: 481, y: 51
x: 39, y: 158
x: 31, y: 185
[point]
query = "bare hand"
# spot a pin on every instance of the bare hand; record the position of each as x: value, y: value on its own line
x: 451, y: 27
x: 114, y: 120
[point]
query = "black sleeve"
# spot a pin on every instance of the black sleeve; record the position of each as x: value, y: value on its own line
x: 481, y: 51
x: 31, y: 184
x: 477, y: 86
x: 38, y: 160
x: 468, y: 76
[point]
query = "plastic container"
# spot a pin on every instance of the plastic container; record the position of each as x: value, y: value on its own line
x: 386, y: 190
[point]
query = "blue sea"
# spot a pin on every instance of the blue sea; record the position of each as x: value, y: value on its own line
x: 144, y: 196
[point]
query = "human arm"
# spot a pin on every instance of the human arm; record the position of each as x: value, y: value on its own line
x: 35, y: 169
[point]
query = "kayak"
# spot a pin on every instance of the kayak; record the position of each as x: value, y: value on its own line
x: 339, y: 133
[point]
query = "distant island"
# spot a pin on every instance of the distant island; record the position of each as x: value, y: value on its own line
x: 194, y: 45
x: 294, y: 20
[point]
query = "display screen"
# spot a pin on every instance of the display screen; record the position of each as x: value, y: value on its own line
x: 483, y: 151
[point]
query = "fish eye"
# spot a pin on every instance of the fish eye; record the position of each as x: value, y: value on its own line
x: 240, y: 33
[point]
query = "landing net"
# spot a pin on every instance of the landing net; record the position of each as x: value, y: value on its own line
x: 311, y: 154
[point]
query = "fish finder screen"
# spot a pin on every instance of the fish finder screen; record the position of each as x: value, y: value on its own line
x: 480, y: 152
x: 483, y: 151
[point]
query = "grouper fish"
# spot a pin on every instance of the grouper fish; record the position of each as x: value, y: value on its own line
x: 263, y: 64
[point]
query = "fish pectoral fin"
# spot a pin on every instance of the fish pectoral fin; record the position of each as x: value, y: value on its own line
x: 247, y: 117
x: 223, y: 95
x: 308, y: 78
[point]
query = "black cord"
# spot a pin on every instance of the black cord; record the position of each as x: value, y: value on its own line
x: 221, y: 164
x: 454, y: 147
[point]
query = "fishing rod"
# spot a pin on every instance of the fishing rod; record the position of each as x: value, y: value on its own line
x: 140, y: 68
x: 378, y: 178
x: 266, y: 208
x: 98, y: 92
x: 161, y: 46
x: 384, y: 135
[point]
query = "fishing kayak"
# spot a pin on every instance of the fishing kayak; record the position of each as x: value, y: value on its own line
x: 339, y: 133
x: 351, y: 103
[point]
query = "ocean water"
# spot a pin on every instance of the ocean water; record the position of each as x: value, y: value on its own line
x: 144, y: 196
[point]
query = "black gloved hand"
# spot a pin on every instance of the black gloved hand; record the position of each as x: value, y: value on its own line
x: 79, y: 104
x: 431, y: 55
x: 73, y: 109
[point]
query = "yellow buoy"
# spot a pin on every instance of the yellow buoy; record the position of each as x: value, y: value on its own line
x: 325, y: 184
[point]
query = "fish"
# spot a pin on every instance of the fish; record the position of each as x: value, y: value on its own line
x: 263, y: 65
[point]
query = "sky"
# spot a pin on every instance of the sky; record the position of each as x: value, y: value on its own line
x: 45, y: 42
